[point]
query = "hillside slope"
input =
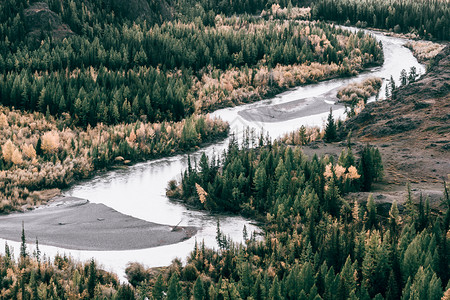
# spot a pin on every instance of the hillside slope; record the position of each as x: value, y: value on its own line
x: 40, y: 19
x: 412, y: 130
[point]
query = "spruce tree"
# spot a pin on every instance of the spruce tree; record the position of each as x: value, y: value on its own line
x: 34, y: 286
x: 92, y: 281
x: 330, y: 129
x: 371, y: 213
x: 23, y: 245
x: 174, y: 290
x: 410, y: 208
x: 257, y: 292
x: 158, y: 288
x: 412, y: 74
x: 275, y: 292
x: 392, y: 85
x: 394, y: 220
x: 199, y: 291
x: 403, y: 77
x: 365, y: 168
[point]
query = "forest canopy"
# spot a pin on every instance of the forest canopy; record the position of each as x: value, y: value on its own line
x: 113, y: 71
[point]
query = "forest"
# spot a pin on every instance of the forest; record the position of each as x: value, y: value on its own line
x: 271, y: 177
x: 95, y: 85
x: 318, y: 244
x: 142, y: 87
x: 40, y: 152
x: 35, y: 276
x: 428, y: 19
x: 117, y: 71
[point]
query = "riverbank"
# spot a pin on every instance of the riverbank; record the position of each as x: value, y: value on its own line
x: 75, y: 223
x: 51, y: 154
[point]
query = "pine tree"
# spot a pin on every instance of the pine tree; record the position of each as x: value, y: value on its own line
x: 7, y: 255
x: 199, y: 291
x: 212, y: 292
x: 124, y: 292
x: 92, y: 281
x: 412, y: 74
x: 39, y: 146
x: 366, y: 169
x: 34, y: 286
x: 403, y: 77
x: 371, y: 213
x: 386, y: 91
x: 275, y: 292
x: 410, y: 208
x: 173, y: 289
x: 257, y: 292
x: 245, y: 234
x: 378, y: 169
x: 245, y: 283
x: 23, y: 245
x: 158, y: 288
x: 330, y: 129
x: 392, y: 85
x: 394, y: 220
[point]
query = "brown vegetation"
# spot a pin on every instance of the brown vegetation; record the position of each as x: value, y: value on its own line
x: 425, y: 50
x: 356, y: 94
x: 292, y: 13
x: 40, y: 153
x: 221, y: 88
x: 303, y: 136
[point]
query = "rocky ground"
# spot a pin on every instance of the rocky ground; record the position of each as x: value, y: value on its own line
x: 39, y: 19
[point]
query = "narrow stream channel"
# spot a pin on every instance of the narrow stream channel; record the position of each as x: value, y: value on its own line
x: 139, y: 190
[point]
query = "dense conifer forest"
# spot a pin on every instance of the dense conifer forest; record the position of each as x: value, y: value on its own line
x: 118, y: 71
x: 91, y: 85
x: 273, y: 177
x: 316, y: 245
x: 428, y: 19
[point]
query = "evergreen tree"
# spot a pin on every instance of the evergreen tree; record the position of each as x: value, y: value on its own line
x: 199, y: 291
x: 158, y: 288
x: 412, y: 74
x: 23, y: 245
x: 275, y: 292
x: 330, y: 129
x: 410, y: 208
x: 366, y: 168
x: 92, y: 281
x: 392, y: 85
x: 371, y: 213
x: 394, y: 220
x: 403, y: 77
x: 174, y: 289
x: 34, y: 286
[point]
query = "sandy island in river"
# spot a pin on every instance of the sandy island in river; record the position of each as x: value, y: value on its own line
x: 75, y: 223
x: 293, y: 109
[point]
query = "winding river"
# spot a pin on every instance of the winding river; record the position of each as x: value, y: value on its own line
x: 139, y: 190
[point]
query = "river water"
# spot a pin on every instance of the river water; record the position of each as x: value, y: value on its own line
x: 139, y: 190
